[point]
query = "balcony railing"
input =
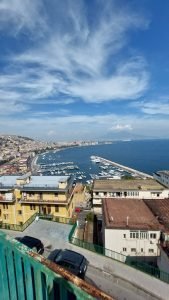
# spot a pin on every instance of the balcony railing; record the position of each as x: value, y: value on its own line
x: 25, y: 275
x: 42, y: 200
x: 4, y: 198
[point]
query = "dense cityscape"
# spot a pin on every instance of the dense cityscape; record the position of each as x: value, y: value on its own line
x: 17, y: 152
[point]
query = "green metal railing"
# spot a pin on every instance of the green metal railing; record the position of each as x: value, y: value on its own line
x: 58, y: 219
x: 22, y: 227
x: 139, y: 265
x: 25, y: 275
x: 18, y: 227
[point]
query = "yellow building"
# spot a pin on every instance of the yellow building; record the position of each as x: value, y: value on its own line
x: 21, y: 197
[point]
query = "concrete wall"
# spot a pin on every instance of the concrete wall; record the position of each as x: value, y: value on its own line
x: 119, y: 240
x: 164, y: 179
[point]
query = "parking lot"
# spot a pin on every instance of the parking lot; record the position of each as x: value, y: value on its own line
x: 53, y: 235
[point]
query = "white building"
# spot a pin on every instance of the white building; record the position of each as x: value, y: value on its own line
x: 162, y: 177
x: 134, y: 188
x: 130, y: 228
x: 160, y: 209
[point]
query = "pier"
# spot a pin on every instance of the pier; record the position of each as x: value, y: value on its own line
x: 132, y: 171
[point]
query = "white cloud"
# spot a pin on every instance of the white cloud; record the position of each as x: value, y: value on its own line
x: 154, y: 108
x: 73, y: 60
x: 85, y: 127
x: 121, y: 127
x: 18, y: 15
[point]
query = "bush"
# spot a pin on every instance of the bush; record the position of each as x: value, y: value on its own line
x: 90, y: 216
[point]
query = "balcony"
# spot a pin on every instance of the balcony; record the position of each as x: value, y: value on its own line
x: 41, y: 200
x: 4, y: 198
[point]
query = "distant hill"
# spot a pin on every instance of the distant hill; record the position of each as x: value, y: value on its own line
x: 15, y: 137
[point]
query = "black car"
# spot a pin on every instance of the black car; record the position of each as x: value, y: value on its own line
x: 70, y: 260
x: 31, y: 242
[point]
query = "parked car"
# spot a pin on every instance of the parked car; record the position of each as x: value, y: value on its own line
x: 31, y: 242
x: 70, y: 260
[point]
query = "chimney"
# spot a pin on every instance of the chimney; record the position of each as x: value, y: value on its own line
x: 127, y: 220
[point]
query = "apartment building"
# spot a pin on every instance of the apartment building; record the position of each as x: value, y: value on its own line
x: 130, y: 228
x: 21, y: 197
x: 133, y: 188
x: 162, y: 177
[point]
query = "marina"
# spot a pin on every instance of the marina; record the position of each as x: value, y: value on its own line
x: 98, y: 168
x: 120, y: 168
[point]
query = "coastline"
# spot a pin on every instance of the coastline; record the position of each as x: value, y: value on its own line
x: 147, y: 161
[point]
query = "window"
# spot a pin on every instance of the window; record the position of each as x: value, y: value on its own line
x: 32, y: 207
x: 133, y: 249
x: 105, y: 194
x: 134, y: 234
x: 151, y: 250
x: 56, y: 208
x: 124, y: 249
x: 56, y: 194
x: 19, y: 212
x: 5, y: 216
x: 49, y: 209
x: 141, y: 249
x: 143, y: 234
x: 124, y: 235
x: 5, y: 206
x: 21, y: 223
x: 152, y: 235
x: 97, y: 193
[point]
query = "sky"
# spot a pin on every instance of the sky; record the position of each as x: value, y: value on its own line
x: 84, y: 69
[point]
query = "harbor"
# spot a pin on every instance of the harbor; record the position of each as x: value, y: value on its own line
x: 131, y: 171
x: 52, y: 163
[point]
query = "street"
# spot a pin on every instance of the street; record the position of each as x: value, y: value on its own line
x: 101, y: 272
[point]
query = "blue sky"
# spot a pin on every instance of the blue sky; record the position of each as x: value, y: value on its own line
x: 82, y: 70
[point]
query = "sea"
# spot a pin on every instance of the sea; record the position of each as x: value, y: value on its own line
x: 146, y: 156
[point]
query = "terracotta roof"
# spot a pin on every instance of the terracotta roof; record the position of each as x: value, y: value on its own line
x: 160, y: 209
x: 129, y: 214
x: 122, y: 184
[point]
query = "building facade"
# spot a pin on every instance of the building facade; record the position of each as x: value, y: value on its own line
x: 21, y: 197
x: 130, y: 228
x: 162, y: 177
x: 133, y: 188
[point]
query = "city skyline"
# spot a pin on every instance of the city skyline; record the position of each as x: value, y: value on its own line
x: 84, y: 70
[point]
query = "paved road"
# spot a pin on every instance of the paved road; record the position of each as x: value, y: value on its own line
x: 102, y: 272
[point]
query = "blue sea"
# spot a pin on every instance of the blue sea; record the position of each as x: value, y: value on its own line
x: 147, y: 156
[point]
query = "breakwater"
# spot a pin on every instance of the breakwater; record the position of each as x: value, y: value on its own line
x: 125, y: 168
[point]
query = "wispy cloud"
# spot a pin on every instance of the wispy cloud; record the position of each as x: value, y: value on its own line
x: 85, y: 127
x: 154, y: 107
x: 72, y: 59
x: 17, y: 16
x: 70, y: 55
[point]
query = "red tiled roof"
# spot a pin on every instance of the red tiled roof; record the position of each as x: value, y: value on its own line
x: 129, y: 214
